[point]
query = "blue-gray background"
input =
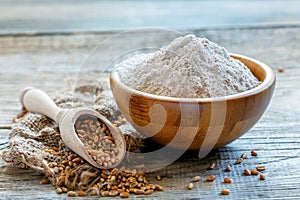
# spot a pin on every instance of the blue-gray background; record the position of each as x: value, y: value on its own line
x: 18, y: 16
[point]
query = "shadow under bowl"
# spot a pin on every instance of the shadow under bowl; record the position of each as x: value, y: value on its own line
x: 196, y: 123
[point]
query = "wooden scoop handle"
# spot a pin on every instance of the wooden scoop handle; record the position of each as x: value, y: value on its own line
x: 37, y: 101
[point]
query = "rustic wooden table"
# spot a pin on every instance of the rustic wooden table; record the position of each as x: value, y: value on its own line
x: 46, y: 60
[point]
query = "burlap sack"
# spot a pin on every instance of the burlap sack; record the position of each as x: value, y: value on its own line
x: 35, y: 140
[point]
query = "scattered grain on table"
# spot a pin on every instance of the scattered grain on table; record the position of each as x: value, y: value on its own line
x: 190, y: 186
x: 225, y: 192
x: 196, y: 178
x: 210, y: 178
x: 262, y: 177
x: 228, y: 169
x: 247, y: 172
x: 280, y: 69
x: 253, y: 153
x: 260, y: 168
x: 227, y: 180
x: 254, y: 172
x: 211, y: 166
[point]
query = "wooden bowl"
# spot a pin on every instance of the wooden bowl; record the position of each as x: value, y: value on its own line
x: 196, y: 123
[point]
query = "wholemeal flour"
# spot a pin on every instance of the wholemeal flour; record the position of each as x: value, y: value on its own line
x: 189, y: 67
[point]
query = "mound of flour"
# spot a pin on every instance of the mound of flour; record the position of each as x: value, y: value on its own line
x: 189, y: 67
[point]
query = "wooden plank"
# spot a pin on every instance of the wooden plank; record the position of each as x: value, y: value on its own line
x: 80, y: 15
x: 280, y: 162
x: 66, y: 56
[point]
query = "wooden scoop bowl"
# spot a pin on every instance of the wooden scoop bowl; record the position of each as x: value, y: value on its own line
x: 196, y: 123
x: 37, y: 101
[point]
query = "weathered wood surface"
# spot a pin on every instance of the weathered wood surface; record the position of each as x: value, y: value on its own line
x: 45, y: 61
x: 87, y: 15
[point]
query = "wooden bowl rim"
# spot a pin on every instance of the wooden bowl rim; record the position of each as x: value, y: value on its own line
x: 266, y: 83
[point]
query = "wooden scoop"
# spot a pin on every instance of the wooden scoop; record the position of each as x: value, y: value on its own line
x: 37, y: 101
